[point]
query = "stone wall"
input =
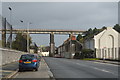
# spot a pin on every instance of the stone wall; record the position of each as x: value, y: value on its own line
x: 8, y: 56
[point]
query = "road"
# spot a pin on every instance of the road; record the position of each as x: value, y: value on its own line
x: 71, y: 68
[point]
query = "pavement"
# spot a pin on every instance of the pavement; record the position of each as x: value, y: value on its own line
x: 82, y: 70
x: 11, y: 71
x: 8, y: 69
x: 106, y: 61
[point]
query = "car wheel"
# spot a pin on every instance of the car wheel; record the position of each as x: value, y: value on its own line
x: 20, y: 70
x: 36, y: 69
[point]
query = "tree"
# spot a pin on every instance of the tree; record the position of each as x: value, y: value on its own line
x: 117, y: 27
x: 90, y: 31
x: 103, y: 28
x: 20, y: 42
x: 79, y: 37
x: 95, y: 30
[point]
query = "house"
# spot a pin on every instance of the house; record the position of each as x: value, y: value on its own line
x: 89, y: 43
x: 45, y: 53
x: 69, y: 48
x: 107, y: 44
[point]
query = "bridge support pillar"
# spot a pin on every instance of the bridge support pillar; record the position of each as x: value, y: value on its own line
x: 52, y: 45
x: 11, y: 37
x: 4, y: 33
x: 70, y: 44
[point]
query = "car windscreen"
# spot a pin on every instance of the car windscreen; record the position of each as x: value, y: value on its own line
x: 27, y: 57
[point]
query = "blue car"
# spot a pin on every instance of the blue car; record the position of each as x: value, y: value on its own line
x: 29, y: 61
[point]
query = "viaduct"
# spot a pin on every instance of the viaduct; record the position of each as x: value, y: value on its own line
x: 39, y: 31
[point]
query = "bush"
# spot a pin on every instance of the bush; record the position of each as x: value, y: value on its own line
x: 78, y: 55
x: 88, y: 53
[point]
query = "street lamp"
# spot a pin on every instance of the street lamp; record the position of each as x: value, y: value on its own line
x: 28, y: 46
x: 28, y: 37
x: 10, y: 27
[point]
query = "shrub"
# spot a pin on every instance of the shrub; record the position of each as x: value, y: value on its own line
x: 88, y: 53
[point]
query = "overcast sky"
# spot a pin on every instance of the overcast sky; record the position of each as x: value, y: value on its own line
x: 61, y: 15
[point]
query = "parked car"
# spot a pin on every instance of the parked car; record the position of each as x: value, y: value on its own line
x: 29, y: 61
x: 57, y: 56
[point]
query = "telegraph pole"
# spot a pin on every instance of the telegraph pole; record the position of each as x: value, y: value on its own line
x: 4, y: 33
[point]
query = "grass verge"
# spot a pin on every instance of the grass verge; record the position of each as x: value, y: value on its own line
x: 90, y: 59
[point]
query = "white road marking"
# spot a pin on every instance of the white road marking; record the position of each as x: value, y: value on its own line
x: 96, y: 68
x: 103, y: 70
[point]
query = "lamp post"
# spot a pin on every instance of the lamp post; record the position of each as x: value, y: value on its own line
x: 28, y: 45
x: 28, y: 37
x: 10, y: 27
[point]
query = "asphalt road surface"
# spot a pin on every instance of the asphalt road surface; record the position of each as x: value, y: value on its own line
x: 72, y: 68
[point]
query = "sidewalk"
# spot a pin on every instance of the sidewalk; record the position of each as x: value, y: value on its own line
x: 106, y: 61
x: 10, y: 70
x: 45, y: 70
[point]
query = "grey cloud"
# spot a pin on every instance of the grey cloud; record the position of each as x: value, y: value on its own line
x: 63, y: 15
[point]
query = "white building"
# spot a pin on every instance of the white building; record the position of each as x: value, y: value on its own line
x: 45, y: 53
x: 107, y: 44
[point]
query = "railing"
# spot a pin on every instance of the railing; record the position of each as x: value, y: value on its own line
x: 43, y: 31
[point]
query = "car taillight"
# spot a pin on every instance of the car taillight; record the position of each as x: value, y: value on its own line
x: 20, y: 61
x: 34, y: 60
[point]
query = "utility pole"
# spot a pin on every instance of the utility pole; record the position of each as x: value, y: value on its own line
x: 4, y: 33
